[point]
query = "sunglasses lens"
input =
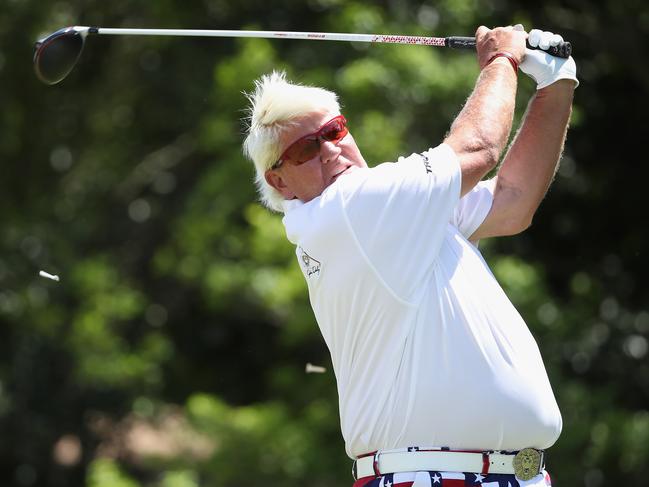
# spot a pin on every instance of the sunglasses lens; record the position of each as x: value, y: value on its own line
x: 333, y: 131
x: 307, y: 148
x: 304, y: 150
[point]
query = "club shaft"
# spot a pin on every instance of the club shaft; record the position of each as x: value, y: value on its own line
x: 322, y: 36
x: 562, y: 50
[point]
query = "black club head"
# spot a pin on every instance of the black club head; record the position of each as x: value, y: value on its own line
x: 57, y: 54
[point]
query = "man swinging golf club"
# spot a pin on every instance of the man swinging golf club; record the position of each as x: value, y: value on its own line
x: 440, y: 381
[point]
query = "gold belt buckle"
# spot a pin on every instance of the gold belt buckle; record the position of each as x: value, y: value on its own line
x: 527, y: 463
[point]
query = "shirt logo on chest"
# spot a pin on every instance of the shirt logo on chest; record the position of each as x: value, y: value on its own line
x: 310, y: 266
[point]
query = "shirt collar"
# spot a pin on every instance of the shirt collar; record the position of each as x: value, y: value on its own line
x: 293, y: 204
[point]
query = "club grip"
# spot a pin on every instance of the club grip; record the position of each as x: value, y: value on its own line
x: 563, y: 50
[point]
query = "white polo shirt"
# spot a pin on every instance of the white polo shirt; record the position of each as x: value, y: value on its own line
x: 426, y: 347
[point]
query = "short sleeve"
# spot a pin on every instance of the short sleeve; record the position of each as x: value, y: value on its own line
x: 399, y: 213
x: 473, y: 208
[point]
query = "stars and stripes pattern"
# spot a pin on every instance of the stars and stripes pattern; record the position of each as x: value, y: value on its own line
x: 451, y: 479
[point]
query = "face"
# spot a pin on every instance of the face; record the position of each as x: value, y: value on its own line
x: 309, y: 179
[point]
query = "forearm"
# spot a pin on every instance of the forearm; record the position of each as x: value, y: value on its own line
x: 533, y: 158
x: 480, y: 131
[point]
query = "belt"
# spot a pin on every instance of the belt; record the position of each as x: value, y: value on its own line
x: 525, y: 464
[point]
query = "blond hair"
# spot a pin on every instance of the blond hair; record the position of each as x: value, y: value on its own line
x: 274, y: 106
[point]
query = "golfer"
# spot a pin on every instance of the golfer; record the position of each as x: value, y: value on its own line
x: 440, y: 381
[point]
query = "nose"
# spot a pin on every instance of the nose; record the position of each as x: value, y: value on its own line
x: 328, y: 151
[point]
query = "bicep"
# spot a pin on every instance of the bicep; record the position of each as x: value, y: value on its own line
x: 474, y: 162
x: 503, y: 218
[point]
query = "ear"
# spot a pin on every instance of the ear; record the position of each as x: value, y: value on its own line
x: 275, y: 179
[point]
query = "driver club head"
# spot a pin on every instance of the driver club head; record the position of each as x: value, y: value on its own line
x: 57, y: 54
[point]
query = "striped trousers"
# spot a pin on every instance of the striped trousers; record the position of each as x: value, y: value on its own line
x: 451, y: 479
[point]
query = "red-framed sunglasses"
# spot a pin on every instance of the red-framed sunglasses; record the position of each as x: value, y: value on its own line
x: 306, y: 148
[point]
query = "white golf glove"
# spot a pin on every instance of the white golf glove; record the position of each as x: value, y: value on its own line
x: 542, y: 67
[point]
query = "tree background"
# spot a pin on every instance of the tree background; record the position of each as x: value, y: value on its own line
x: 172, y: 351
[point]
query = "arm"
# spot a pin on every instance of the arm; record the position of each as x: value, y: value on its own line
x: 531, y: 162
x: 479, y: 133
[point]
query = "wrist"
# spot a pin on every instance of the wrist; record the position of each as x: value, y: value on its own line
x: 560, y: 85
x: 504, y: 55
x: 561, y: 91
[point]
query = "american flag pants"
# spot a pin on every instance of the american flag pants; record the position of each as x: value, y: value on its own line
x: 452, y: 479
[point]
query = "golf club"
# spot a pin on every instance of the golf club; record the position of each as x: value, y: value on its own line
x: 57, y: 54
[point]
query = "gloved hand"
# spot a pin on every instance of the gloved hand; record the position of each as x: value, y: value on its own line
x: 542, y: 67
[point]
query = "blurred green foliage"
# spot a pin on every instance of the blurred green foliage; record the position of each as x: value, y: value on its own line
x: 180, y: 293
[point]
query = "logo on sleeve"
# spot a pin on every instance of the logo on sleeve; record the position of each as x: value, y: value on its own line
x: 426, y: 162
x: 310, y: 266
